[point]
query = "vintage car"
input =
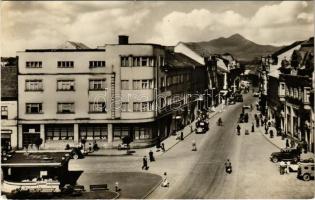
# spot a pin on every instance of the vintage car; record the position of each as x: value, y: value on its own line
x: 286, y: 154
x: 306, y: 171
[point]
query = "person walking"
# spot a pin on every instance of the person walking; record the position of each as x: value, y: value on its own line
x: 151, y: 157
x: 282, y: 166
x: 253, y: 127
x: 163, y: 147
x: 238, y: 129
x: 145, y: 163
x: 194, y: 146
x: 165, y: 182
x: 287, y: 145
x: 181, y: 135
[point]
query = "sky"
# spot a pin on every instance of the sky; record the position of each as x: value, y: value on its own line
x: 48, y: 24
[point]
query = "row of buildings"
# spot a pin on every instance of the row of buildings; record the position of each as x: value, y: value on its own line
x: 288, y: 91
x: 146, y: 91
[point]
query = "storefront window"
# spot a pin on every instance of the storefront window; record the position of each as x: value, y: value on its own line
x: 93, y: 131
x: 59, y: 132
x: 120, y: 132
x: 143, y: 133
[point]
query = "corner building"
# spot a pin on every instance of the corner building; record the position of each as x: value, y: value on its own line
x: 99, y: 94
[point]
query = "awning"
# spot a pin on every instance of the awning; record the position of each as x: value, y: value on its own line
x: 6, y: 134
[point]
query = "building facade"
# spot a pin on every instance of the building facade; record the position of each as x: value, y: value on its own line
x: 9, y: 105
x: 99, y: 94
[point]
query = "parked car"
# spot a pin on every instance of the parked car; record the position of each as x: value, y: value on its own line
x: 286, y: 154
x: 256, y: 94
x: 295, y: 166
x: 306, y: 171
x: 76, y: 153
x: 239, y: 98
x: 123, y: 147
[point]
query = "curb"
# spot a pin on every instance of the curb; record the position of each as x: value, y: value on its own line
x: 184, y: 137
x: 153, y: 189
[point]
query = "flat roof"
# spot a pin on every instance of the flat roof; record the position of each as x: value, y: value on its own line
x: 61, y: 50
x: 36, y: 159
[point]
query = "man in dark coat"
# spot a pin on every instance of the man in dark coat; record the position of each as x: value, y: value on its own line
x: 145, y: 163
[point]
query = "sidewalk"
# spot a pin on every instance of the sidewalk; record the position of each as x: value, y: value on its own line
x: 277, y: 141
x: 169, y: 142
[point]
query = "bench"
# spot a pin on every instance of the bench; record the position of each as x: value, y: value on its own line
x: 98, y: 187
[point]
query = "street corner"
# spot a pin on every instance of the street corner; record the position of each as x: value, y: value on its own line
x: 132, y: 185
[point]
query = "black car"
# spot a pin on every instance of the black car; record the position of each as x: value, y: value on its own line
x: 239, y: 98
x: 287, y: 154
x: 76, y: 153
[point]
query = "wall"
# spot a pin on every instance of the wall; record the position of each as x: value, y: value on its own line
x: 182, y: 48
x: 11, y: 122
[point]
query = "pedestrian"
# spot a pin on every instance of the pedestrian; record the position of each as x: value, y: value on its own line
x: 238, y: 129
x: 282, y: 165
x: 287, y: 145
x: 253, y: 127
x: 145, y: 163
x: 162, y: 147
x: 194, y: 146
x: 151, y: 157
x: 165, y: 182
x: 191, y: 128
x: 292, y: 143
x: 266, y: 129
x: 251, y: 107
x: 287, y: 168
x: 181, y: 135
x: 90, y: 147
x: 158, y: 144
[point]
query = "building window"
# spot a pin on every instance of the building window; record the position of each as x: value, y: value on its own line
x: 65, y: 107
x: 307, y: 94
x: 136, y: 84
x: 162, y: 84
x: 4, y: 112
x: 97, y: 107
x: 34, y: 64
x: 124, y: 107
x: 34, y: 108
x: 124, y: 61
x: 33, y: 85
x: 296, y: 94
x: 143, y: 133
x: 144, y: 62
x: 96, y: 64
x: 65, y: 64
x: 97, y: 84
x: 65, y: 85
x: 125, y: 84
x: 147, y: 106
x: 120, y: 131
x: 59, y: 132
x: 93, y: 131
x: 136, y: 61
x: 137, y: 107
x: 147, y: 84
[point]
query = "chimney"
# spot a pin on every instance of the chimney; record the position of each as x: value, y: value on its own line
x: 123, y: 39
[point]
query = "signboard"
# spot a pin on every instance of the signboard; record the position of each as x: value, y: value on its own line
x: 31, y: 130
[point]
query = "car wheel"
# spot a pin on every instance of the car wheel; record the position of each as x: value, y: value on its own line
x: 274, y: 159
x: 75, y: 156
x: 306, y: 177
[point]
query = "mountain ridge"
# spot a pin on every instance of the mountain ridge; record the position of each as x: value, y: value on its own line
x: 241, y: 48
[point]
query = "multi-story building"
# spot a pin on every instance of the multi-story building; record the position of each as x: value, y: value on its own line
x: 99, y: 94
x: 291, y: 94
x: 9, y: 103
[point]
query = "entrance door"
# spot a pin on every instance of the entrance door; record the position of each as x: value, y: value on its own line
x: 30, y: 134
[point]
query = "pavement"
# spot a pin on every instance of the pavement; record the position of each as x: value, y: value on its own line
x: 277, y: 141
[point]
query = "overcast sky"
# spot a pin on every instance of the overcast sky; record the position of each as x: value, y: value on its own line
x: 48, y: 24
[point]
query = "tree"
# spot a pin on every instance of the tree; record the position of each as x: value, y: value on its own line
x: 38, y: 142
x: 127, y: 140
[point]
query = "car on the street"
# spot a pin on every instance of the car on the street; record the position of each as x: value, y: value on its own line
x: 76, y: 153
x: 239, y: 98
x: 286, y: 154
x: 293, y: 167
x: 306, y: 171
x: 202, y: 126
x: 246, y: 107
x: 256, y: 94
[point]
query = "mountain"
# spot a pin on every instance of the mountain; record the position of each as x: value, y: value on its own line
x: 241, y: 48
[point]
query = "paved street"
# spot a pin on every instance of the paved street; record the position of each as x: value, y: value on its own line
x: 202, y: 174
